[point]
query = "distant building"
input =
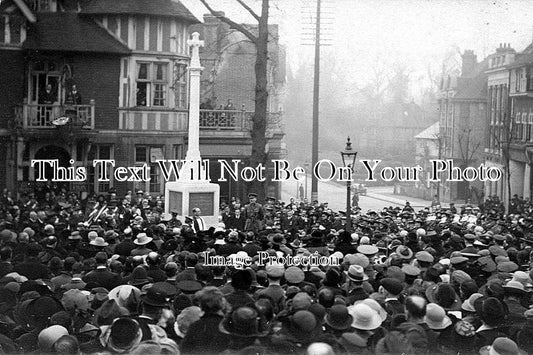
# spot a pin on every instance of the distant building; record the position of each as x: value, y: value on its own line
x: 128, y: 61
x: 463, y: 109
x: 428, y: 148
x: 394, y: 125
x: 498, y: 119
x: 520, y: 113
x: 228, y: 58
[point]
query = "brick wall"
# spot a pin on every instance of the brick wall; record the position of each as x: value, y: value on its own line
x: 11, y: 85
x: 97, y: 77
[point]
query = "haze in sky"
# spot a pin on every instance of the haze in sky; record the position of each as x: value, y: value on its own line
x: 415, y: 33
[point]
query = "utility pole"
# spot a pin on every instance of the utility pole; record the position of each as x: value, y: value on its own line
x: 318, y: 41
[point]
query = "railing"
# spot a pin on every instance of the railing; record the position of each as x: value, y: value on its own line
x: 40, y: 116
x: 235, y: 120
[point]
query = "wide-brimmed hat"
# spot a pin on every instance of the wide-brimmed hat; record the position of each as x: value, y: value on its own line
x: 294, y: 275
x: 303, y: 323
x: 436, y: 317
x: 142, y: 239
x: 367, y: 249
x: 99, y: 242
x: 189, y: 286
x: 275, y: 270
x: 75, y: 235
x: 156, y: 296
x: 444, y: 295
x: 392, y: 285
x: 514, y: 287
x: 357, y: 273
x: 139, y: 277
x: 48, y: 336
x: 501, y: 346
x: 277, y: 238
x: 468, y: 304
x: 123, y: 294
x: 243, y: 322
x: 364, y: 317
x: 404, y: 252
x: 338, y: 317
x: 372, y: 303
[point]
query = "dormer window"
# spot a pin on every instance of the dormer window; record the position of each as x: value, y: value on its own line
x: 43, y: 5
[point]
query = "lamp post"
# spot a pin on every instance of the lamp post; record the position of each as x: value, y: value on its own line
x: 348, y: 160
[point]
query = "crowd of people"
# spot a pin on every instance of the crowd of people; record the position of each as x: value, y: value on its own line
x: 110, y: 275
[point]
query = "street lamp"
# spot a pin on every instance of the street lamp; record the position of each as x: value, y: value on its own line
x: 348, y: 160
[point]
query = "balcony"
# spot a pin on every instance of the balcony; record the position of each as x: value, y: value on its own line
x: 227, y: 120
x: 40, y: 116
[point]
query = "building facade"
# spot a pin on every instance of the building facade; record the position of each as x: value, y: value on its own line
x: 127, y: 60
x: 463, y: 107
x: 497, y: 119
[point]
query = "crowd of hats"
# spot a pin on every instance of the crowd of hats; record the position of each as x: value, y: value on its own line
x: 406, y: 281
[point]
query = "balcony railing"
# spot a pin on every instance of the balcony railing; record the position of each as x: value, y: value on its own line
x: 235, y: 120
x: 40, y: 116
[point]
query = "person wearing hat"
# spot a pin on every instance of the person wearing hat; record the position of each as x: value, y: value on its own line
x: 274, y: 291
x: 126, y: 245
x: 515, y: 296
x: 141, y: 242
x: 338, y: 320
x: 204, y: 336
x: 501, y: 346
x: 493, y: 320
x: 122, y: 335
x: 233, y: 245
x: 49, y: 336
x: 301, y: 330
x: 101, y: 275
x: 244, y: 325
x: 241, y: 281
x: 189, y: 273
x: 253, y: 214
x: 423, y: 338
x: 31, y: 267
x: 354, y: 287
x: 389, y: 290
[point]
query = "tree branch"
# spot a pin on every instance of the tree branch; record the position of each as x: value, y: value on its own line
x: 231, y: 23
x: 249, y: 9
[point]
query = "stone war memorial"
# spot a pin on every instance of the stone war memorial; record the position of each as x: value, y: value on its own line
x: 193, y: 189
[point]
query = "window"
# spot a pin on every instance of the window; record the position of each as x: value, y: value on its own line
x: 41, y: 5
x: 180, y: 85
x: 152, y: 84
x: 98, y: 152
x: 149, y: 155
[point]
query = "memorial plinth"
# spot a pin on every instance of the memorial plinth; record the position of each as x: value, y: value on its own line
x: 193, y: 188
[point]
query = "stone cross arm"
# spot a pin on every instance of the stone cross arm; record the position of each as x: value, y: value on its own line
x: 195, y: 43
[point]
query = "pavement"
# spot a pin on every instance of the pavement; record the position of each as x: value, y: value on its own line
x: 334, y: 193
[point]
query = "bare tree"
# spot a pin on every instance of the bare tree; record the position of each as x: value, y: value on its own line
x: 259, y: 120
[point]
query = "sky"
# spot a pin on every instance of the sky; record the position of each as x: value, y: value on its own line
x: 415, y: 33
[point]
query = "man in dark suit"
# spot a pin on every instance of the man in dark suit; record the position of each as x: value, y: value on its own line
x: 48, y: 96
x: 250, y: 247
x: 102, y: 275
x: 198, y: 223
x: 189, y: 273
x: 236, y: 221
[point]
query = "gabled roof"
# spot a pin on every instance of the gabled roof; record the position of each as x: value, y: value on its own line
x: 66, y: 31
x: 6, y: 6
x: 165, y: 8
x: 429, y: 133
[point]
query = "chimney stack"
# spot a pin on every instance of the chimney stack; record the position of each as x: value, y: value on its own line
x: 469, y: 62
